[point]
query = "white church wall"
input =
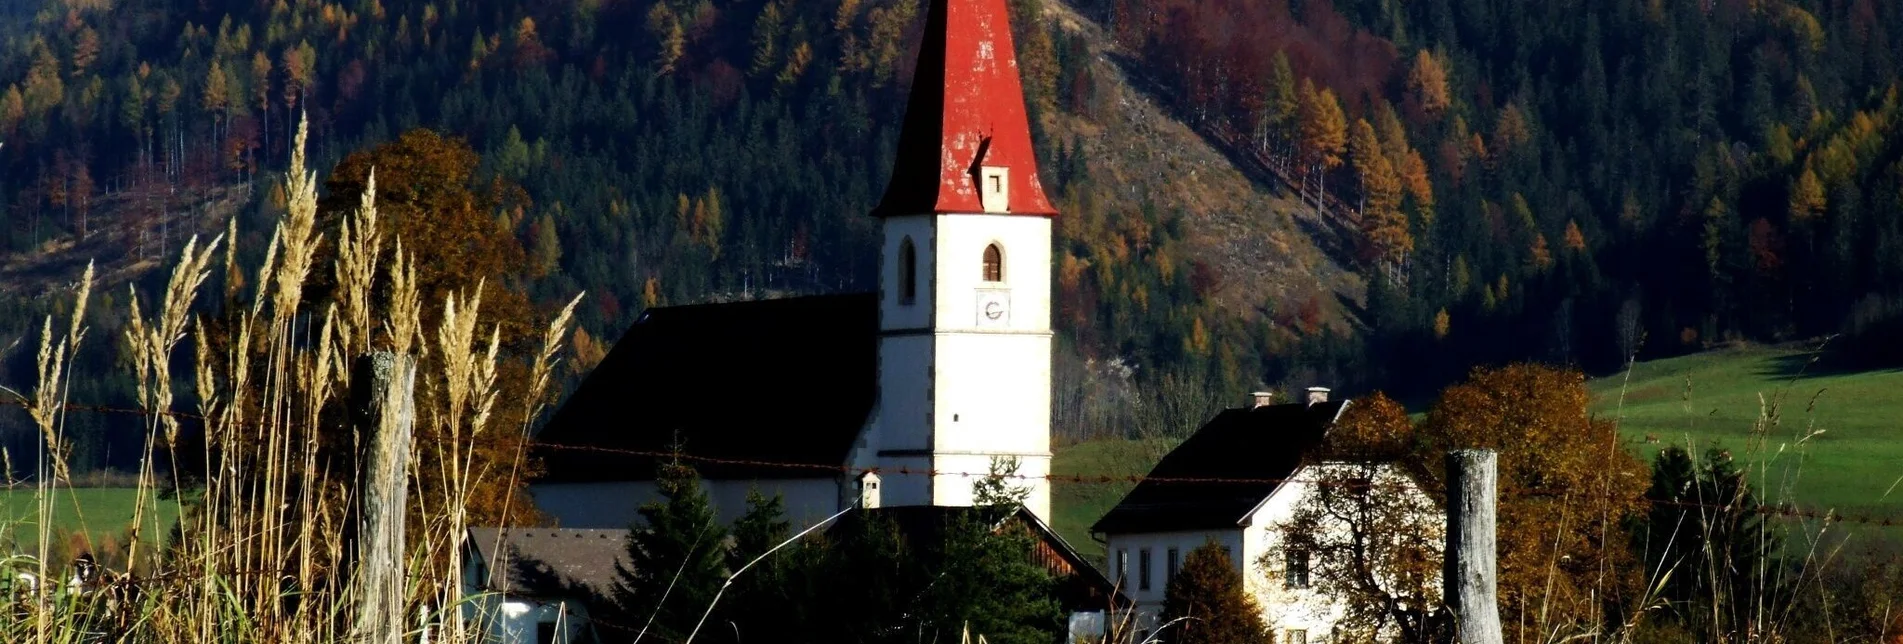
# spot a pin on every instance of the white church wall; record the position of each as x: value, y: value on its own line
x: 1026, y: 245
x: 895, y: 314
x: 617, y: 504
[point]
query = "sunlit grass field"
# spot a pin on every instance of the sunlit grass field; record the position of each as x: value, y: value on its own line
x: 1828, y: 440
x: 102, y: 513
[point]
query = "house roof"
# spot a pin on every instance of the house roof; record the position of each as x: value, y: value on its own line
x: 546, y: 562
x: 1260, y: 446
x: 966, y: 110
x: 764, y: 389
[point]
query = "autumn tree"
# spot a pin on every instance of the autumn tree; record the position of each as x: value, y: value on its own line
x: 1206, y: 603
x: 1386, y: 241
x: 1569, y: 489
x: 1427, y: 85
x: 1807, y: 198
x: 216, y: 99
x: 1324, y: 133
x: 665, y: 27
x: 1370, y: 538
x: 459, y: 230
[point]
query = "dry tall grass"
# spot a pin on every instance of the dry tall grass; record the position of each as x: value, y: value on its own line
x: 261, y: 553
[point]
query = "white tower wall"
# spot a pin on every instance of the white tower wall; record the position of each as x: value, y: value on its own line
x: 965, y: 368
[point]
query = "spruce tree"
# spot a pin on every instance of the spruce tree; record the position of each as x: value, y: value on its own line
x: 767, y: 601
x: 676, y: 558
x: 1208, y: 598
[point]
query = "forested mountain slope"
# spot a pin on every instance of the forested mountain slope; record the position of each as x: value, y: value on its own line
x: 667, y: 152
x: 1572, y: 181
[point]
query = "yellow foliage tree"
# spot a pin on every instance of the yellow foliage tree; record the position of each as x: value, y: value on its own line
x: 1427, y: 84
x: 1568, y: 489
x: 1807, y: 197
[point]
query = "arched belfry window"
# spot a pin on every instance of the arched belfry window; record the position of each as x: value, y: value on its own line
x: 994, y: 264
x: 908, y: 271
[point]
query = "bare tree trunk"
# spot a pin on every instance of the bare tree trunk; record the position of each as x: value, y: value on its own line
x: 386, y: 411
x: 1472, y: 489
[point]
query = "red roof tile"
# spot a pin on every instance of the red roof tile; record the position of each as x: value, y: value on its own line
x: 966, y: 110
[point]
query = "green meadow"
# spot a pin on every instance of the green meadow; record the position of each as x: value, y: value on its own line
x: 103, y: 514
x: 1810, y: 436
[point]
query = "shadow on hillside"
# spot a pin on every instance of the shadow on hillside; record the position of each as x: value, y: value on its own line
x: 1813, y: 364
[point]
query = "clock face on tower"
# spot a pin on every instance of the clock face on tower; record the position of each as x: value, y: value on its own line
x: 994, y: 308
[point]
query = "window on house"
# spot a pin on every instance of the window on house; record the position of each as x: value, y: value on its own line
x: 1172, y: 562
x: 1295, y: 568
x: 1143, y: 569
x: 994, y: 264
x: 908, y: 271
x: 1123, y: 567
x: 1297, y: 637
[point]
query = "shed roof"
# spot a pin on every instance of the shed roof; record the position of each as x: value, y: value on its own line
x: 762, y: 389
x: 549, y: 562
x: 1255, y: 448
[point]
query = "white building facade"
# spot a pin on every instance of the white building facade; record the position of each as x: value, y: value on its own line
x: 1264, y: 461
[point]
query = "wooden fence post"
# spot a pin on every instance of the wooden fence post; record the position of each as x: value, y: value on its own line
x: 1471, y: 587
x: 386, y: 411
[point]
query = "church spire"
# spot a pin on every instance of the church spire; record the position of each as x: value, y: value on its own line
x: 966, y: 142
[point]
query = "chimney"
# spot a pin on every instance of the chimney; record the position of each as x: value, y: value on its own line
x: 1317, y: 395
x: 1261, y: 399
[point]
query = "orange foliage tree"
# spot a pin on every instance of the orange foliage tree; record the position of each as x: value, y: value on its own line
x: 460, y: 232
x: 1568, y: 489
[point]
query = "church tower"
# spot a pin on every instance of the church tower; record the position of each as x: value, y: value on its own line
x: 965, y: 275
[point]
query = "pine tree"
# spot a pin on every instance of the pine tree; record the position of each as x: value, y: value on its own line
x: 770, y: 596
x: 1206, y: 603
x: 1725, y: 557
x: 676, y: 557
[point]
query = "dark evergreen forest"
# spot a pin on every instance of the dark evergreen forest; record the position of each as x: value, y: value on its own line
x: 1575, y: 181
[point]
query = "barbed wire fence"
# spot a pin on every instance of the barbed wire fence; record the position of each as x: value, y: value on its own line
x: 1783, y: 510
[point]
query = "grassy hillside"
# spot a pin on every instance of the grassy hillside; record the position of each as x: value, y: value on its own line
x: 1076, y: 505
x: 1818, y: 438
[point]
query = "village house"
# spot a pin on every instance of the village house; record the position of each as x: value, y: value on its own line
x: 1236, y: 482
x: 534, y: 585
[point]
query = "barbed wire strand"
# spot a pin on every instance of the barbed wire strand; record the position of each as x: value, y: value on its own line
x: 1784, y: 510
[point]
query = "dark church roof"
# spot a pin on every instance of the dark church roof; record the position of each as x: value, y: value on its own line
x: 788, y: 381
x: 1263, y: 445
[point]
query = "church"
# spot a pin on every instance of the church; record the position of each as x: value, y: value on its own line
x: 904, y: 397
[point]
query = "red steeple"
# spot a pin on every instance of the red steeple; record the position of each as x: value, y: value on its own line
x: 966, y: 113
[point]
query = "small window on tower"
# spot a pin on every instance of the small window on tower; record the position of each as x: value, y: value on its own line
x: 908, y: 271
x: 994, y: 264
